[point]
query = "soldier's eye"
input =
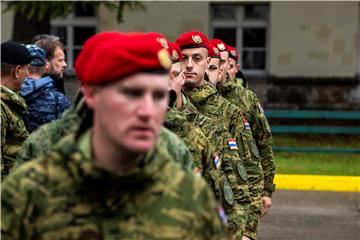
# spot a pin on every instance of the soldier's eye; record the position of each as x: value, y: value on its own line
x: 132, y: 93
x: 159, y: 95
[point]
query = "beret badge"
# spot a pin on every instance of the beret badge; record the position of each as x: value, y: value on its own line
x: 163, y: 42
x: 233, y: 53
x: 164, y: 58
x: 221, y: 46
x: 174, y: 55
x: 196, y: 38
x: 216, y: 51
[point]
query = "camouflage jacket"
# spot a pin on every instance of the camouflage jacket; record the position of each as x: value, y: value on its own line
x: 43, y: 139
x: 208, y: 102
x: 193, y: 137
x: 226, y: 169
x: 250, y: 106
x: 63, y: 195
x: 13, y: 127
x: 44, y: 101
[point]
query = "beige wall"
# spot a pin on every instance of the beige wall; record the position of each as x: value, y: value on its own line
x: 6, y: 24
x: 312, y: 39
x: 168, y: 18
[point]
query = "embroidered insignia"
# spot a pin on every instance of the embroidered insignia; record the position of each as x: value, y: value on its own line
x: 217, y: 161
x: 247, y: 124
x: 163, y: 42
x: 164, y: 58
x: 222, y: 214
x: 260, y: 108
x: 216, y: 51
x: 174, y: 55
x: 221, y: 46
x: 196, y: 38
x: 232, y: 144
x: 233, y: 53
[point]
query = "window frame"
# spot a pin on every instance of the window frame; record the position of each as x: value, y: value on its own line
x: 239, y: 24
x: 69, y: 23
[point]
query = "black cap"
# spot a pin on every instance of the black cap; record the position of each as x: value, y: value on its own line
x: 15, y: 53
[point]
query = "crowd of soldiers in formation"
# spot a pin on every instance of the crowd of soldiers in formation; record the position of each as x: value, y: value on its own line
x: 164, y: 140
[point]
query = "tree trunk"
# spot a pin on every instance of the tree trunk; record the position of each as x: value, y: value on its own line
x: 25, y: 29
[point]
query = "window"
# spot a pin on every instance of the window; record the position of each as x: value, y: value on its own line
x: 243, y: 26
x: 73, y: 31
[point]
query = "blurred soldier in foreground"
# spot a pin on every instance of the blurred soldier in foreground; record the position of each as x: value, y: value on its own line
x: 112, y: 180
x: 15, y: 60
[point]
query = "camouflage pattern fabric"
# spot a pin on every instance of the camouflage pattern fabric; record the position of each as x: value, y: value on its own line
x: 208, y: 102
x: 225, y: 170
x: 249, y: 104
x: 43, y: 139
x: 13, y: 127
x: 63, y: 195
x: 194, y: 138
x: 45, y: 103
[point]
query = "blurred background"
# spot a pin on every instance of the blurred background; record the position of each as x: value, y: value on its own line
x: 301, y: 58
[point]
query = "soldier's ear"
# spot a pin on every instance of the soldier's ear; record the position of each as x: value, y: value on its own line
x: 89, y: 95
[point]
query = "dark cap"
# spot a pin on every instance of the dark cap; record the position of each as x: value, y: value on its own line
x: 15, y: 53
x: 38, y: 54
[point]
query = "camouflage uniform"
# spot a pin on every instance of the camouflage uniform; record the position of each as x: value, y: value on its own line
x: 250, y: 105
x: 63, y: 195
x: 13, y: 128
x: 43, y: 139
x: 207, y: 100
x: 227, y: 169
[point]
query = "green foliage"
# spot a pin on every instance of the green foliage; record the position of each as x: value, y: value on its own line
x: 53, y: 9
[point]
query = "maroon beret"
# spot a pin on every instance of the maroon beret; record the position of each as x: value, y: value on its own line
x: 233, y: 53
x: 192, y: 39
x: 220, y: 45
x: 214, y: 52
x: 175, y: 52
x: 109, y: 56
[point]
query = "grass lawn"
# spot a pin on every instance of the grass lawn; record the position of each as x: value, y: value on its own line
x: 343, y: 164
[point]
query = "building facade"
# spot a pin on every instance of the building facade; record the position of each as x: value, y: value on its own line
x: 296, y: 55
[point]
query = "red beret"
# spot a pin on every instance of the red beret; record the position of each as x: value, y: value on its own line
x: 109, y: 56
x: 192, y: 40
x: 233, y: 53
x: 219, y: 44
x: 175, y: 52
x: 214, y: 52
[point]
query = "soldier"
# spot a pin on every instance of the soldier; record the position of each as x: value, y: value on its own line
x: 15, y: 60
x: 213, y: 72
x: 205, y: 98
x: 234, y: 71
x: 112, y: 180
x: 44, y: 101
x: 249, y: 105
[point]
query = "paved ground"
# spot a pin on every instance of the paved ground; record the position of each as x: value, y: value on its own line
x: 312, y: 215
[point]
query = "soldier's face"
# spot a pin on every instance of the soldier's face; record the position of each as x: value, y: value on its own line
x: 194, y: 64
x: 233, y: 68
x: 224, y: 65
x: 213, y: 71
x: 128, y: 113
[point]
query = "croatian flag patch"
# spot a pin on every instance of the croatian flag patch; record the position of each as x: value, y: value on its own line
x: 217, y: 161
x: 247, y: 124
x: 232, y: 144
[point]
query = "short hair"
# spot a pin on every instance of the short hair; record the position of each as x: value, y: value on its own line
x: 49, y: 44
x: 44, y: 36
x: 6, y: 68
x: 37, y: 69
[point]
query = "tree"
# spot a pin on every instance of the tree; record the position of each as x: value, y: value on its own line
x: 33, y: 17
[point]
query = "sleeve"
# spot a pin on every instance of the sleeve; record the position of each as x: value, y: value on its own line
x: 263, y: 137
x: 4, y: 126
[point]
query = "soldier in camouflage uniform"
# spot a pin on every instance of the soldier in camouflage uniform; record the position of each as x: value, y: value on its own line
x: 112, y: 180
x: 207, y: 101
x: 15, y: 60
x: 261, y: 131
x: 214, y: 161
x: 249, y: 102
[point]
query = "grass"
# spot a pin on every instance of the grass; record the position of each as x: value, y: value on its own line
x: 342, y: 164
